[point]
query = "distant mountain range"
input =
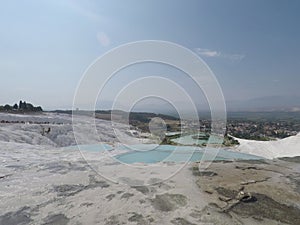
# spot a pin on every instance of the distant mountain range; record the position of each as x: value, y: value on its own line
x: 263, y: 104
x: 271, y: 103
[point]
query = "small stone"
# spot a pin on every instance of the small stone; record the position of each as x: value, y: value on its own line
x: 224, y: 199
x: 209, y: 191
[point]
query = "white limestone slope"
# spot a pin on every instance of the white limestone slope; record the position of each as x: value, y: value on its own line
x: 287, y: 147
x: 29, y: 129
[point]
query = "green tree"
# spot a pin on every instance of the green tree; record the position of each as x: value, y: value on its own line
x: 7, y: 107
x: 15, y: 107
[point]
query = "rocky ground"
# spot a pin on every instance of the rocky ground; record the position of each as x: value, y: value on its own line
x: 61, y: 191
x: 251, y: 192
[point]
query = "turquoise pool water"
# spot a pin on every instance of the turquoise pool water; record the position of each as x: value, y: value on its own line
x: 189, y: 140
x: 147, y: 153
x: 170, y: 153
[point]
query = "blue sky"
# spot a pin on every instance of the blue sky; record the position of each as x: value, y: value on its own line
x: 45, y: 46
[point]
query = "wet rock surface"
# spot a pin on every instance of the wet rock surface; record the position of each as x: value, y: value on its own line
x: 196, y: 172
x: 250, y: 193
x: 295, y: 159
x: 181, y: 221
x: 142, y: 189
x: 168, y: 202
x: 63, y: 167
x: 57, y: 219
x: 68, y: 190
x: 127, y: 196
x: 21, y: 216
x: 266, y: 207
x: 140, y: 219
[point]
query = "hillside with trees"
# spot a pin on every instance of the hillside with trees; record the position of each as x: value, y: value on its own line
x: 22, y: 107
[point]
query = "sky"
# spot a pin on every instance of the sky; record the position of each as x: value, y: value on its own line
x: 252, y: 46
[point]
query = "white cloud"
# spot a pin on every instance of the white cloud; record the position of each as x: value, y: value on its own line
x: 217, y: 54
x: 207, y: 52
x: 103, y: 39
